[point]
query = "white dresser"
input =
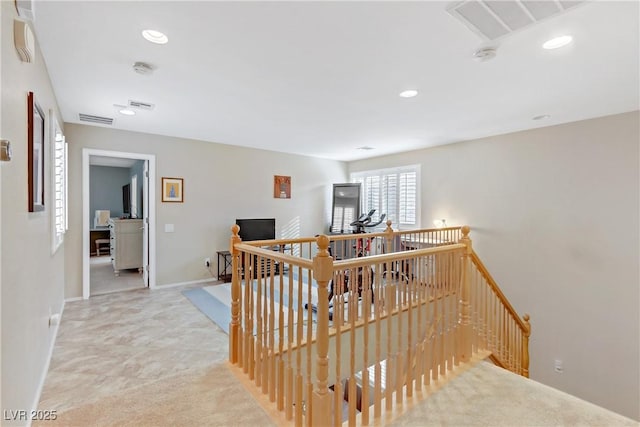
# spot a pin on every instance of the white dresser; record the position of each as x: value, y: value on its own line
x: 126, y: 244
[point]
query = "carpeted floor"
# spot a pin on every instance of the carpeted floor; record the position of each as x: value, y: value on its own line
x: 212, y: 397
x: 103, y: 279
x: 150, y: 358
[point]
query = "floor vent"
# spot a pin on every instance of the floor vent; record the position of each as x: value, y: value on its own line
x: 96, y: 119
x: 493, y: 19
x: 141, y: 105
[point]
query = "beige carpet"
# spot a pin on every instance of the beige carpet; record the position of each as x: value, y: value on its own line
x: 212, y: 398
x: 103, y: 279
x: 150, y: 358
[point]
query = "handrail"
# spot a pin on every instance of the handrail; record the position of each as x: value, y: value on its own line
x: 402, y: 317
x: 346, y: 236
x: 394, y: 256
x: 274, y: 255
x: 494, y: 286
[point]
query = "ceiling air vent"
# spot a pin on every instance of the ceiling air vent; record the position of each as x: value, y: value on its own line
x: 141, y: 105
x: 96, y: 119
x: 493, y: 19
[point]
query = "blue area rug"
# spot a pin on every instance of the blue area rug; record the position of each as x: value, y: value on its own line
x: 215, y: 301
x: 211, y: 307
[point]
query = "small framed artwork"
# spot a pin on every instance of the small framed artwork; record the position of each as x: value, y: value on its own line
x: 35, y: 154
x: 281, y: 187
x: 172, y: 190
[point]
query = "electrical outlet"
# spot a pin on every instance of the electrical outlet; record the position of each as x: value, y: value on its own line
x: 207, y: 262
x: 557, y: 366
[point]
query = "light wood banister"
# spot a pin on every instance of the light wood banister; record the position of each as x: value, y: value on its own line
x: 322, y: 273
x: 327, y: 341
x: 494, y: 286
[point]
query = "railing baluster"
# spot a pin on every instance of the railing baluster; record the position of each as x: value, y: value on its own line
x: 428, y: 332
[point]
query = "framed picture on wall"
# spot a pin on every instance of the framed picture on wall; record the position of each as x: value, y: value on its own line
x: 172, y: 190
x: 35, y: 154
x: 281, y: 187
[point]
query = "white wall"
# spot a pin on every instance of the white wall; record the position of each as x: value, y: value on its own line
x: 32, y: 278
x: 221, y: 183
x: 554, y: 215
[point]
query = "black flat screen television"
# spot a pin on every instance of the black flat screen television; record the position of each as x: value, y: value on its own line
x: 257, y: 229
x: 126, y: 199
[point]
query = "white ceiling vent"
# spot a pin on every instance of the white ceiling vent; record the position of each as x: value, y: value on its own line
x: 493, y: 19
x: 96, y: 119
x: 24, y: 41
x: 141, y: 105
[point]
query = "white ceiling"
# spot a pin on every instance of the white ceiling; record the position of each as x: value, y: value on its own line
x: 322, y: 78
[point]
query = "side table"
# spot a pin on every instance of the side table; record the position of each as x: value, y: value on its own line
x: 224, y: 266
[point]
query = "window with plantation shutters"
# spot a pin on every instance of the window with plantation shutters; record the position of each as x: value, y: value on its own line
x: 59, y: 178
x: 342, y: 217
x: 393, y: 192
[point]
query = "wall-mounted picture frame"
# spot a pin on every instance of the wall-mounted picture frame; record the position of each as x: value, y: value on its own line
x: 35, y: 154
x: 281, y: 187
x: 172, y: 190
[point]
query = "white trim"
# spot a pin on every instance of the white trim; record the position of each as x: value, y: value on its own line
x: 192, y: 282
x: 45, y: 371
x: 73, y: 299
x: 151, y: 158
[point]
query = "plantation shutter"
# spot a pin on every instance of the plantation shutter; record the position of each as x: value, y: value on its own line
x: 59, y: 189
x: 408, y: 197
x: 393, y: 192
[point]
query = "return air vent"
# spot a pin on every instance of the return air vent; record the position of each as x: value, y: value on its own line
x: 96, y: 119
x: 493, y: 19
x: 141, y: 105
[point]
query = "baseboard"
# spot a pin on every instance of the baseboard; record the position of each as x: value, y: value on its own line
x: 45, y: 371
x: 192, y: 282
x: 73, y: 299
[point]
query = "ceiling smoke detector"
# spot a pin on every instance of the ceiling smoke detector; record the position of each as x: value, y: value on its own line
x: 142, y: 68
x: 484, y: 54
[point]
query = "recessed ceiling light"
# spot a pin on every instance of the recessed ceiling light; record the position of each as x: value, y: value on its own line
x: 408, y: 93
x: 155, y: 36
x: 557, y: 42
x: 542, y: 117
x: 127, y: 112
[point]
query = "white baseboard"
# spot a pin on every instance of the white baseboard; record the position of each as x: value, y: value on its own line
x: 45, y: 371
x: 73, y: 299
x: 192, y: 282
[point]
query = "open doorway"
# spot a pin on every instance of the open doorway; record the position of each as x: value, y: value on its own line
x: 118, y: 221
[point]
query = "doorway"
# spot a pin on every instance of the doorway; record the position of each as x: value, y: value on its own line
x: 126, y: 206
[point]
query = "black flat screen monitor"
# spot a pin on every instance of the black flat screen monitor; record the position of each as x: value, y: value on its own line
x: 257, y: 229
x: 126, y: 199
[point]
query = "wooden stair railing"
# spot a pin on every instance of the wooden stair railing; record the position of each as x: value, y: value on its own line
x: 498, y: 328
x: 416, y: 312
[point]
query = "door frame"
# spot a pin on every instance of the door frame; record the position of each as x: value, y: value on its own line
x: 149, y: 207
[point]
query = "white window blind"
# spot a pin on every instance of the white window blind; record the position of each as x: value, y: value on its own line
x: 59, y: 210
x: 342, y: 218
x: 134, y: 196
x: 393, y: 192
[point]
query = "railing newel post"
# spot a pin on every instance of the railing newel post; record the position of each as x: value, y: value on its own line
x: 234, y: 325
x: 464, y: 311
x: 389, y: 237
x: 525, y: 346
x: 322, y: 273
